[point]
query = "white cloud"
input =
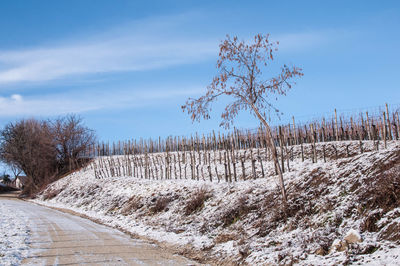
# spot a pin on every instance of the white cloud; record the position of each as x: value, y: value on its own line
x: 151, y: 43
x: 140, y: 46
x: 58, y: 104
x: 16, y: 97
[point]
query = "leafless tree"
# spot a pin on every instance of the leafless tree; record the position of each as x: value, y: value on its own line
x: 28, y: 144
x: 72, y: 139
x: 240, y: 76
x: 15, y: 170
x: 44, y: 150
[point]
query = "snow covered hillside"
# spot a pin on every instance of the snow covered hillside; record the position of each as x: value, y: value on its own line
x: 344, y: 210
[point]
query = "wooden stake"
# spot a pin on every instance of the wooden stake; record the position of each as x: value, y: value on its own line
x: 384, y: 129
x: 336, y: 124
x: 388, y: 123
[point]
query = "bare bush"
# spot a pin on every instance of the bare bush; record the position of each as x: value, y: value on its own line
x: 160, y: 204
x: 51, y: 193
x: 382, y: 192
x: 133, y: 204
x: 72, y: 139
x: 237, y: 211
x: 225, y: 237
x: 196, y: 203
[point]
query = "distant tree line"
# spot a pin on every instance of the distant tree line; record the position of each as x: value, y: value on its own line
x: 45, y: 150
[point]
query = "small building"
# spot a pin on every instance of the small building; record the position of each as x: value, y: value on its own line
x: 20, y: 181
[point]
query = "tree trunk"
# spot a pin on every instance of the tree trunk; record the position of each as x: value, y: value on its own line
x: 272, y: 147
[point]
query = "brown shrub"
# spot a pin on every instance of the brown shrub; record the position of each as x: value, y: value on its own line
x: 196, y: 202
x: 237, y: 211
x: 302, y: 202
x: 51, y: 193
x: 225, y: 237
x: 161, y: 204
x: 391, y: 232
x: 369, y: 223
x: 382, y: 191
x: 133, y: 204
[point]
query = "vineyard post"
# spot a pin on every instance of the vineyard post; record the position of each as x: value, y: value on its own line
x: 342, y: 137
x: 146, y: 166
x: 286, y: 143
x: 209, y: 166
x: 261, y: 164
x: 253, y: 165
x: 398, y: 125
x: 281, y: 146
x: 176, y: 175
x: 388, y: 123
x: 313, y: 140
x: 229, y: 166
x: 384, y: 129
x: 301, y: 146
x: 243, y: 168
x: 294, y: 132
x: 180, y: 167
x: 234, y: 164
x: 352, y: 128
x: 155, y: 166
x: 368, y: 126
x: 226, y: 167
x: 336, y: 127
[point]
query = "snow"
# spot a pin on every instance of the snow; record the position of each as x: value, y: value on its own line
x: 14, y: 233
x: 296, y: 240
x: 352, y: 233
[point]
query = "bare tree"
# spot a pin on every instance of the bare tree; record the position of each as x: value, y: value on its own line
x: 72, y: 139
x: 15, y: 170
x: 45, y: 150
x: 240, y: 76
x: 28, y: 144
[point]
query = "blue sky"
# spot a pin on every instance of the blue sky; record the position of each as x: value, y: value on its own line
x: 127, y: 66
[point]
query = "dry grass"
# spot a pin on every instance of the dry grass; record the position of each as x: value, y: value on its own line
x: 133, y: 204
x: 51, y: 193
x: 161, y: 204
x: 303, y: 202
x: 240, y: 209
x: 196, y: 202
x: 225, y: 237
x: 381, y: 192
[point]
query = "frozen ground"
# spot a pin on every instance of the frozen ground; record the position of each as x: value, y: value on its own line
x: 342, y: 211
x: 36, y: 235
x: 14, y: 233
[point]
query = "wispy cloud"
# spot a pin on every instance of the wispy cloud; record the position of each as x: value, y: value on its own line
x: 144, y: 45
x: 58, y: 104
x: 152, y: 43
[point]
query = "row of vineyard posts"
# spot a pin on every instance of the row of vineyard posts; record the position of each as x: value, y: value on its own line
x: 225, y: 156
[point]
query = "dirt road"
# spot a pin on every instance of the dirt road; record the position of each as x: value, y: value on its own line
x: 62, y: 239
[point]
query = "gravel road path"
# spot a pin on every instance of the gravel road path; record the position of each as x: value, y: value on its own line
x: 63, y: 239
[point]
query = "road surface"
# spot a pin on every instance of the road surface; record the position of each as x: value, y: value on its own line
x: 63, y: 239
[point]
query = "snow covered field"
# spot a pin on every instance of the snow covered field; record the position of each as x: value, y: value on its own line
x: 341, y: 211
x: 14, y: 234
